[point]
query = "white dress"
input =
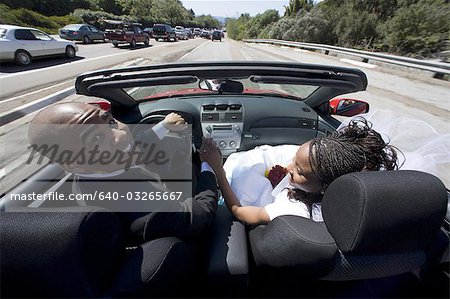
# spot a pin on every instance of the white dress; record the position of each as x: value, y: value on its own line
x: 246, y: 174
x: 424, y: 150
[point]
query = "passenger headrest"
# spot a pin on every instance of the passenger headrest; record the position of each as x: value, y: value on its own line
x: 382, y: 212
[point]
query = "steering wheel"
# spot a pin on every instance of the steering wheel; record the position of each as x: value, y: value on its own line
x: 170, y: 157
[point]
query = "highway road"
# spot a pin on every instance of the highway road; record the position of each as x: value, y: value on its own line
x: 393, y: 93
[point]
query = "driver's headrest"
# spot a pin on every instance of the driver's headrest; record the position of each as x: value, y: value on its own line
x: 383, y: 212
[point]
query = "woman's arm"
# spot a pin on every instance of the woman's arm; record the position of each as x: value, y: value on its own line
x: 249, y: 214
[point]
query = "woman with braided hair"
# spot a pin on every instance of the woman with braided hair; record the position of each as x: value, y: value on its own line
x: 315, y: 165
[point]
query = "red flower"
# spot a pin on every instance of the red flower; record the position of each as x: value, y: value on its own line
x: 276, y: 174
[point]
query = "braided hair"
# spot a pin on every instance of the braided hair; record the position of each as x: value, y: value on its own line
x: 356, y: 147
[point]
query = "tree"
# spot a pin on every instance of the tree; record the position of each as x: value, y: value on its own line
x: 49, y: 7
x: 257, y: 24
x: 280, y: 27
x: 384, y: 9
x: 311, y: 27
x: 296, y: 5
x: 192, y: 13
x: 420, y: 28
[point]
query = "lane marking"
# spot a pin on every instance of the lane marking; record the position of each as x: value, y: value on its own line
x: 72, y: 63
x: 33, y: 92
x: 2, y: 172
x: 359, y: 63
x: 21, y: 111
x: 301, y: 50
x: 190, y: 52
x: 136, y: 61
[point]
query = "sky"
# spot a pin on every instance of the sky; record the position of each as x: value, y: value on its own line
x: 233, y: 8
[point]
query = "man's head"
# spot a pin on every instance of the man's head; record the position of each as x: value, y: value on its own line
x: 76, y: 129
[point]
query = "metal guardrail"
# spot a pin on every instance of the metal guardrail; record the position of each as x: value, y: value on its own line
x: 438, y: 68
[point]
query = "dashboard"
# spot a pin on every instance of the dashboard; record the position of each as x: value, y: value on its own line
x: 238, y: 123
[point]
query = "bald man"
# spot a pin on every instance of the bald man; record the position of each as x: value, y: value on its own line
x: 71, y: 133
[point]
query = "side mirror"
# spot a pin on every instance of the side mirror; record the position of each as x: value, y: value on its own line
x: 348, y: 107
x: 104, y: 105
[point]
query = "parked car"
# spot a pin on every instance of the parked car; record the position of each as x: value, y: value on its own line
x: 205, y: 33
x: 149, y: 31
x: 179, y: 28
x: 181, y: 34
x: 22, y: 44
x: 126, y: 33
x: 81, y: 32
x: 164, y: 32
x: 189, y: 32
x: 385, y: 234
x: 216, y: 35
x: 197, y: 31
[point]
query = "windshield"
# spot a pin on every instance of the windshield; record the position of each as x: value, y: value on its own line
x: 2, y: 32
x: 72, y: 27
x: 298, y: 92
x: 159, y: 28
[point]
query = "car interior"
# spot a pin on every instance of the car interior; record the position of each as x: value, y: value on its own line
x: 385, y: 234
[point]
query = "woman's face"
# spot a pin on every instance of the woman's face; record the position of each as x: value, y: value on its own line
x: 300, y: 172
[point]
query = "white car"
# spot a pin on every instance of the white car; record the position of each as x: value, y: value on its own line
x: 22, y: 44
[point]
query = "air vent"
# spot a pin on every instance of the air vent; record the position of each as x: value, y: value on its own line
x: 222, y: 107
x: 306, y: 109
x: 209, y: 107
x: 235, y: 106
x: 233, y: 117
x: 210, y: 117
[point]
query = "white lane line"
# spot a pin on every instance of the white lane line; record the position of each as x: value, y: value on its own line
x: 72, y: 63
x: 33, y: 92
x: 301, y: 50
x: 190, y: 52
x: 2, y: 172
x: 37, y: 101
x: 62, y: 83
x: 136, y: 61
x: 359, y: 63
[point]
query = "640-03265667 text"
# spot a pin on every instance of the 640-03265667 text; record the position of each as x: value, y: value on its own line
x: 100, y: 196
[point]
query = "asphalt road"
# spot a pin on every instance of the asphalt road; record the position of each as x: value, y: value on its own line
x: 396, y: 95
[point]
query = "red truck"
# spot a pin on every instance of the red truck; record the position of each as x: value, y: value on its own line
x: 126, y: 33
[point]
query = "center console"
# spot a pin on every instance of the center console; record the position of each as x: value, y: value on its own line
x: 224, y: 123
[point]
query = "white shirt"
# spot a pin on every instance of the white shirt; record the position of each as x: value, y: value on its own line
x: 283, y: 205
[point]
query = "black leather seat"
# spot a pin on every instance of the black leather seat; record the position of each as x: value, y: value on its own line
x: 51, y: 252
x: 376, y: 225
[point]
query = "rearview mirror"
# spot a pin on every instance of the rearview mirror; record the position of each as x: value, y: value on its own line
x: 221, y: 85
x: 348, y: 107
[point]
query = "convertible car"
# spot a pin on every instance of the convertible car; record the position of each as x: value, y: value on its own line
x: 385, y: 234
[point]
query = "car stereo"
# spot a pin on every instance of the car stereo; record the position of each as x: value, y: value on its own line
x: 224, y: 123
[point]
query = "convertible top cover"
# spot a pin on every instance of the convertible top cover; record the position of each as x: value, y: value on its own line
x: 330, y: 80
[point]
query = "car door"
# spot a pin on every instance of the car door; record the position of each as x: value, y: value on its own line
x: 48, y: 45
x: 140, y: 35
x: 26, y: 40
x: 95, y: 33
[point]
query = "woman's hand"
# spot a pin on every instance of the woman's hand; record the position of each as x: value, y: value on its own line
x: 210, y: 153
